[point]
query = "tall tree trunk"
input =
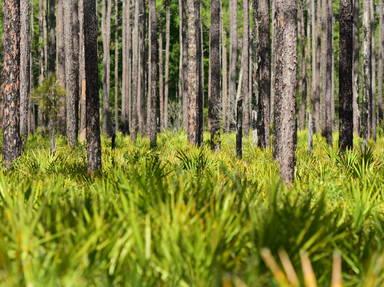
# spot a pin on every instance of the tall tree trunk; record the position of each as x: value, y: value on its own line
x: 356, y: 58
x: 82, y: 80
x: 380, y: 71
x: 70, y: 74
x: 328, y: 73
x: 167, y: 56
x: 230, y: 117
x: 25, y: 50
x: 225, y: 95
x: 41, y: 40
x: 60, y: 62
x: 141, y: 86
x: 263, y: 72
x: 51, y: 67
x: 372, y: 100
x: 285, y: 84
x: 154, y: 115
x: 214, y: 102
x: 161, y: 81
x: 11, y: 82
x: 184, y: 50
x: 92, y: 91
x: 345, y: 72
x: 367, y: 56
x: 117, y: 59
x: 245, y: 65
x: 106, y: 32
x: 127, y: 67
x: 194, y: 71
x: 135, y: 73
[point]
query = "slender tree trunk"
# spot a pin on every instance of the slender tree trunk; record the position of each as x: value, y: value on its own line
x: 92, y: 91
x: 51, y: 60
x: 214, y: 102
x: 25, y: 50
x: 167, y: 57
x: 141, y: 87
x: 346, y: 83
x: 161, y: 81
x: 11, y: 82
x: 117, y: 59
x: 194, y: 71
x: 60, y: 63
x: 184, y: 46
x: 106, y: 32
x: 127, y: 67
x: 82, y: 80
x: 263, y: 72
x: 285, y: 84
x: 135, y: 72
x: 328, y: 74
x: 231, y: 119
x: 71, y: 71
x: 154, y: 115
x: 31, y: 105
x: 367, y: 56
x: 225, y: 95
x: 245, y: 65
x: 41, y: 40
x: 356, y: 58
x: 380, y: 71
x: 372, y: 100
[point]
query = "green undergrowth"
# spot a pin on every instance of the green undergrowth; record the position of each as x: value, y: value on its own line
x: 182, y: 216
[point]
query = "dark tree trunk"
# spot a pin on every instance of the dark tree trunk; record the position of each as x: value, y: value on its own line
x: 92, y: 91
x: 285, y: 86
x: 117, y: 56
x: 154, y: 115
x: 11, y: 82
x: 184, y: 73
x: 60, y: 63
x: 25, y: 50
x: 346, y: 60
x: 263, y: 72
x: 51, y: 37
x: 214, y: 103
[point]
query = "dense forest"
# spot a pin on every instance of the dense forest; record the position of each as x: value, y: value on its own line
x: 192, y: 143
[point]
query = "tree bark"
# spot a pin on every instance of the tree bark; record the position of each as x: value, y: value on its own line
x: 356, y: 58
x: 60, y: 63
x: 380, y: 71
x: 135, y: 72
x: 285, y: 87
x: 117, y: 59
x: 82, y: 80
x: 154, y: 115
x: 345, y: 72
x: 245, y: 66
x: 11, y: 82
x: 230, y: 117
x: 367, y: 75
x: 51, y: 67
x: 263, y: 72
x: 214, y: 102
x: 106, y: 32
x: 71, y: 77
x: 167, y: 57
x: 25, y: 50
x: 194, y: 70
x: 92, y: 91
x: 328, y: 73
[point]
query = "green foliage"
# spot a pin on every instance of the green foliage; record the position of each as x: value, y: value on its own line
x: 182, y: 216
x: 48, y: 95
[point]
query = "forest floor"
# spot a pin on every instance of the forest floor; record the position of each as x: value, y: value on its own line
x: 182, y: 216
